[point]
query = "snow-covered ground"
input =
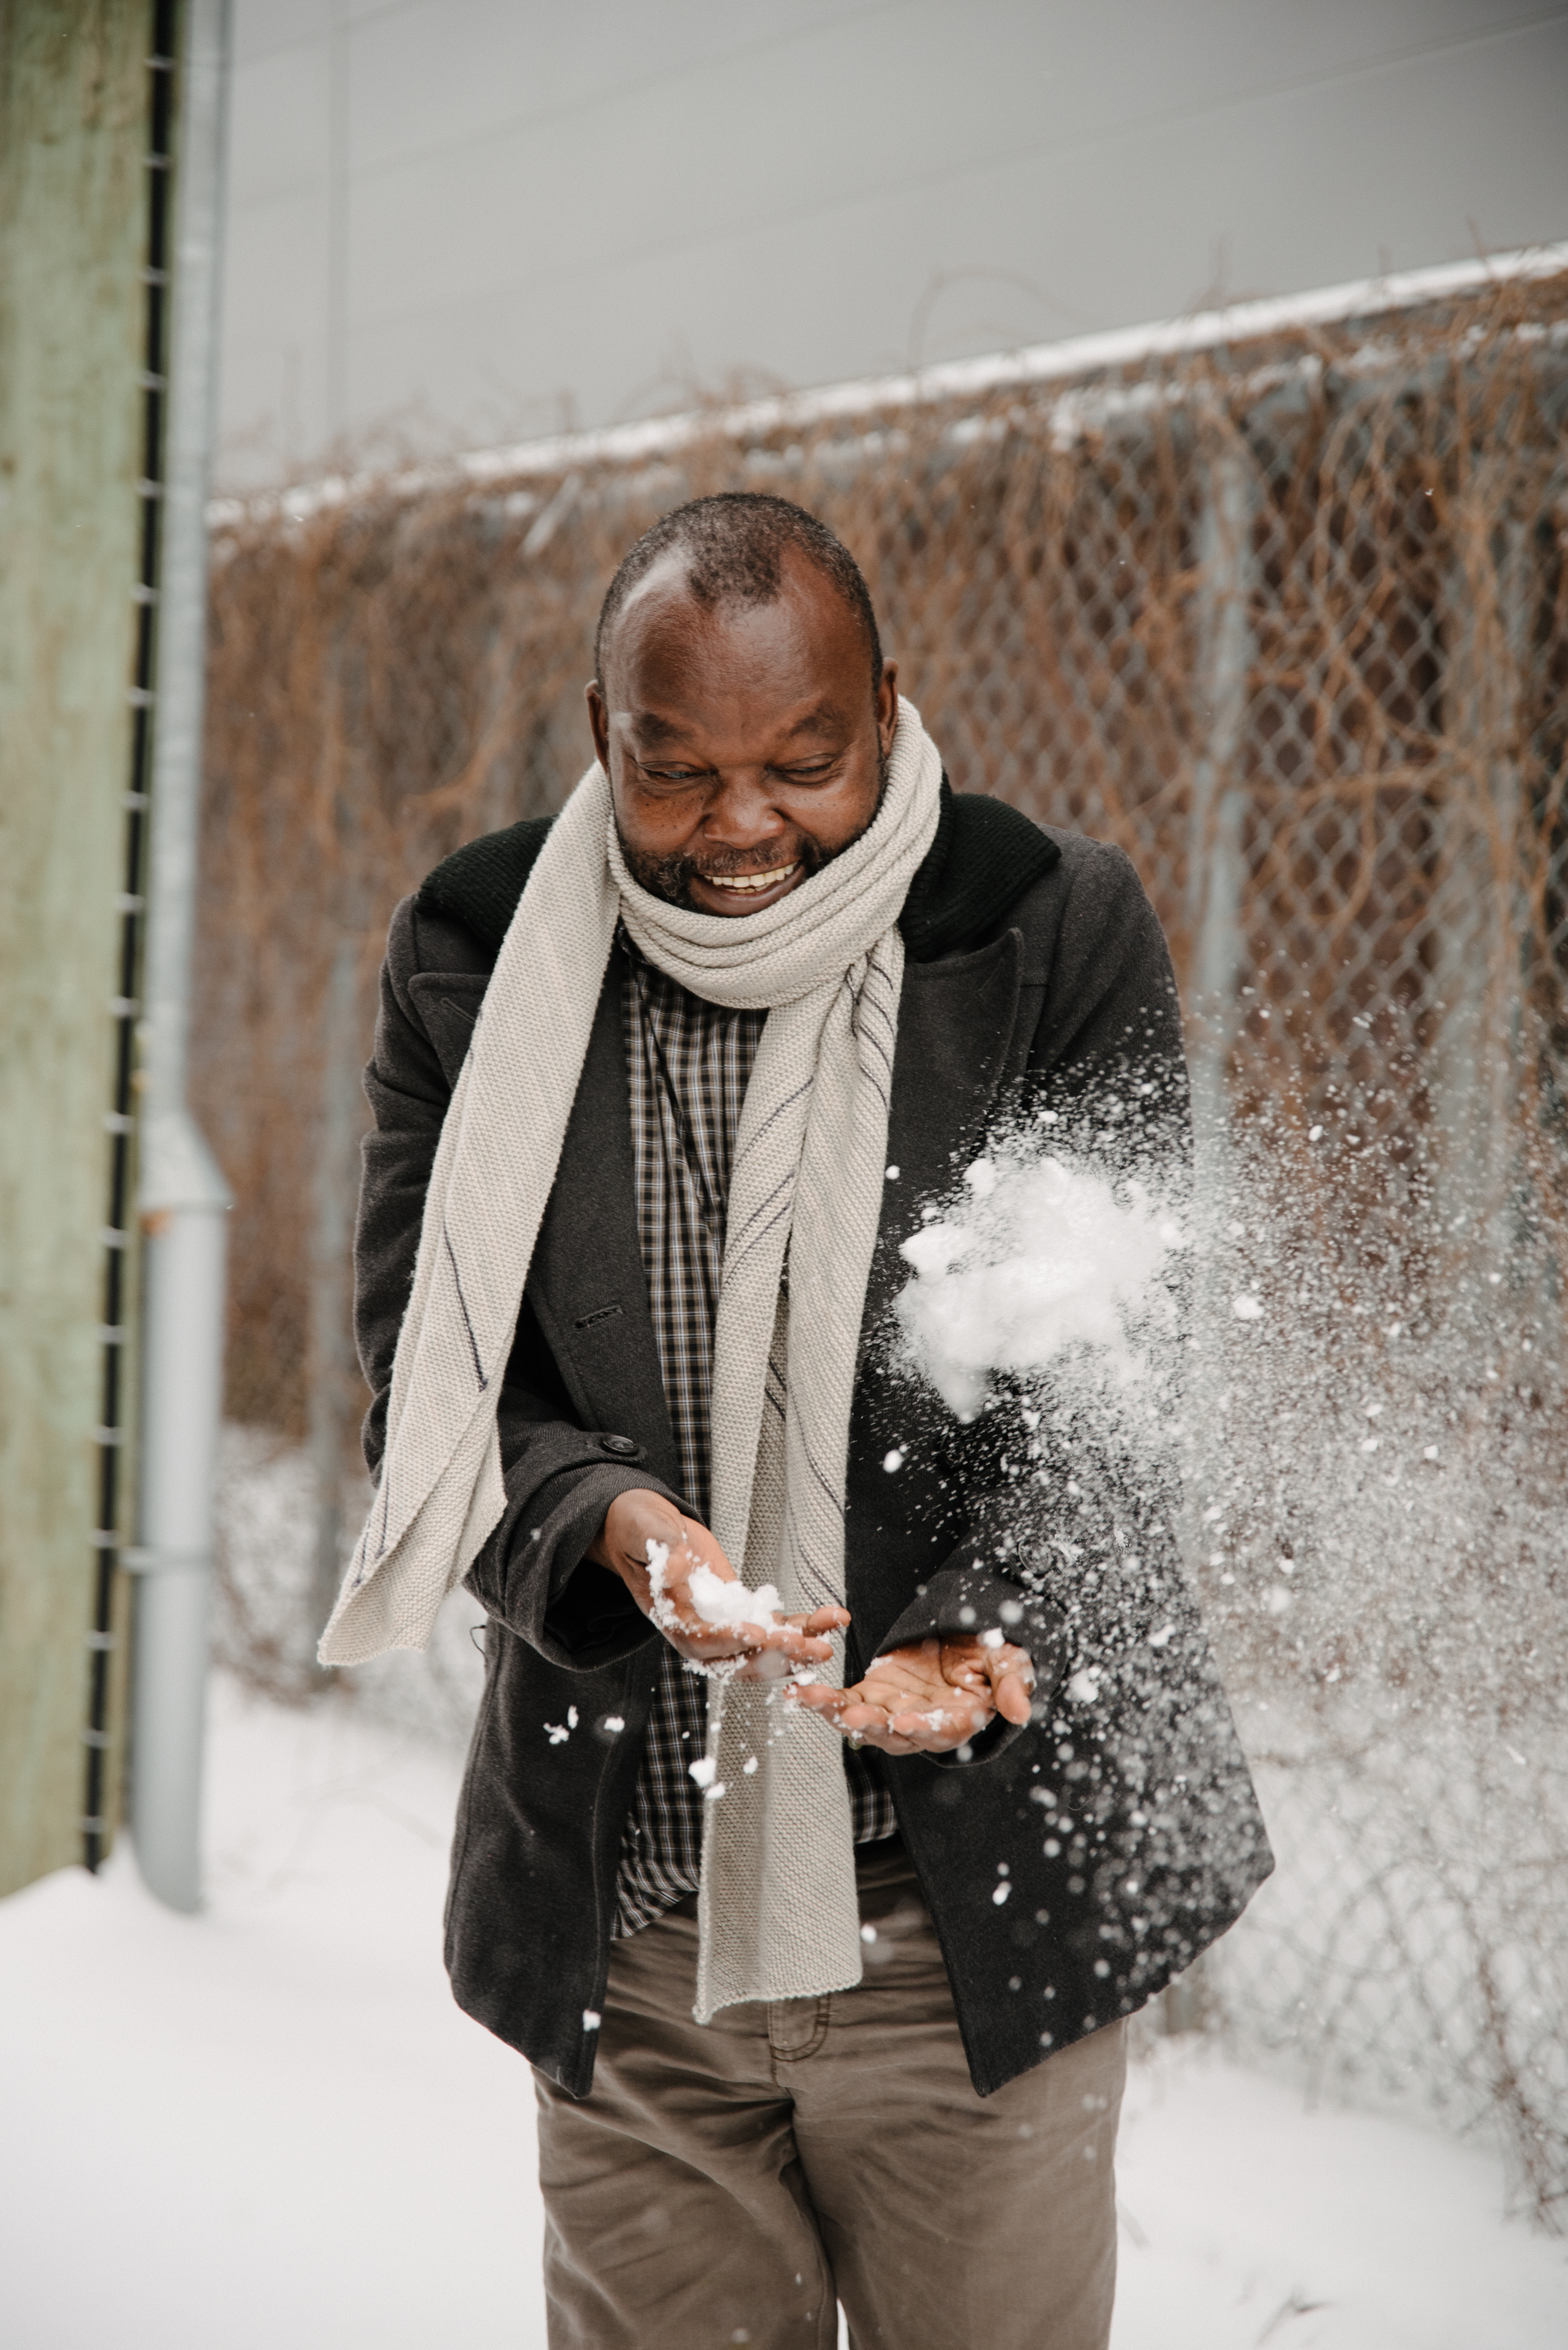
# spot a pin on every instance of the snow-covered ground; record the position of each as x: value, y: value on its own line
x: 269, y: 2125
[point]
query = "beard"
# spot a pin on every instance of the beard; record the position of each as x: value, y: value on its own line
x: 670, y: 878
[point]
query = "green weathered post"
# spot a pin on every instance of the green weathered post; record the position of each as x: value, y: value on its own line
x: 76, y: 523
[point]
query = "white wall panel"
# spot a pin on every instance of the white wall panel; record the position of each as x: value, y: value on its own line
x: 484, y: 215
x: 281, y: 125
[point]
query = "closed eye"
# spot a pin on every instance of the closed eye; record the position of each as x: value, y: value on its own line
x: 818, y: 772
x: 813, y: 771
x: 671, y: 775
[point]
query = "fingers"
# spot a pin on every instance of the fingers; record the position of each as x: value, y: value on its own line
x: 846, y: 1709
x: 1013, y: 1698
x: 770, y: 1649
x: 655, y: 1551
x: 822, y: 1620
x: 770, y: 1656
x: 1005, y: 1672
x: 800, y: 1639
x: 1011, y: 1671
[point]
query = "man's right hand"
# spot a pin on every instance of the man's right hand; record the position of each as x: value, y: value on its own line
x: 765, y: 1652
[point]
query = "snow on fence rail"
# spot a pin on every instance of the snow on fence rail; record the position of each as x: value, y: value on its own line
x: 1287, y: 618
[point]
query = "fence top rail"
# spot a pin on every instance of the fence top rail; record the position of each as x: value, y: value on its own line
x: 1078, y: 358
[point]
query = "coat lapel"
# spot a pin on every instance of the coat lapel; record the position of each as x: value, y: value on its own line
x: 586, y: 1284
x: 957, y: 1043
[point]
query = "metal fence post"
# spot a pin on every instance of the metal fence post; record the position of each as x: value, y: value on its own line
x: 1480, y: 918
x: 1216, y: 877
x: 331, y: 1356
x: 183, y: 1199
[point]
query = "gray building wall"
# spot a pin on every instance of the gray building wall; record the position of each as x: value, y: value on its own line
x: 455, y: 222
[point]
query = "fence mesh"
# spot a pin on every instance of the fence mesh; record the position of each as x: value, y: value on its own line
x: 1289, y: 622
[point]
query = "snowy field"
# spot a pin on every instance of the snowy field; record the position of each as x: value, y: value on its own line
x: 270, y: 2126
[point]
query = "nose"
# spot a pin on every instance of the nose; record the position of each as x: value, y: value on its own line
x: 742, y: 814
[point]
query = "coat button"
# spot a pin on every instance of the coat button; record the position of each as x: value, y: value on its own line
x: 623, y: 1445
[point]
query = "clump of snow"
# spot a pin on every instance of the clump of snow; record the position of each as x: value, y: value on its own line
x: 731, y: 1604
x: 1044, y: 1260
x: 726, y: 1603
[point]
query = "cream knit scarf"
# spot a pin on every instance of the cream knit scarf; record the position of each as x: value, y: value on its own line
x: 778, y: 1913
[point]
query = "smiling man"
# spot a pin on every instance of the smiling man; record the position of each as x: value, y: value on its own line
x: 828, y: 1810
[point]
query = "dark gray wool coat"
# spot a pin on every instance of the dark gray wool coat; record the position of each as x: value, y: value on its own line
x: 1071, y: 1866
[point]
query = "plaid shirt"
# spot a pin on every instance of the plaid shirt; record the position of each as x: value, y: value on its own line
x: 688, y: 1066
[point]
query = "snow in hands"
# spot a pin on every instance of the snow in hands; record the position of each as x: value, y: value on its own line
x: 731, y: 1604
x: 727, y: 1605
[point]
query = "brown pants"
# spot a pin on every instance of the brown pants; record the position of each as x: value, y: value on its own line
x: 730, y: 2183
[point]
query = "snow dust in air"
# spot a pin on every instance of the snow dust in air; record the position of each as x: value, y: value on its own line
x: 1345, y: 1379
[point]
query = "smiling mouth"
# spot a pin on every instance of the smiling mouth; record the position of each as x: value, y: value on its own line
x: 749, y: 885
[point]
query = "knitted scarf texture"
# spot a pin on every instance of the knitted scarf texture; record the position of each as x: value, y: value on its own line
x: 777, y: 1907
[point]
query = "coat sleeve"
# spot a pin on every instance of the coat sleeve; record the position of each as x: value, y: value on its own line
x: 1106, y: 1068
x: 1107, y: 1060
x: 408, y: 1093
x: 560, y: 1478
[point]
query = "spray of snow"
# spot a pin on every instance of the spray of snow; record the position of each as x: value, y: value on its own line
x: 1365, y: 1450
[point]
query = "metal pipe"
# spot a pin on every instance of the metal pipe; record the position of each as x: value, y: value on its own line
x: 1216, y: 853
x: 183, y: 1197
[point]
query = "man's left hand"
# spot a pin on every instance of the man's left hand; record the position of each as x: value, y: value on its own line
x: 929, y: 1698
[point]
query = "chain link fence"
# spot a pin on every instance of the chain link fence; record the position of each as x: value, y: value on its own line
x: 1289, y: 622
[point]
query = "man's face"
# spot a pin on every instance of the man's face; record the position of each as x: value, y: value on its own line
x: 742, y: 742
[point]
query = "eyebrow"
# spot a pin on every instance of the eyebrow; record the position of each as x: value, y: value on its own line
x: 651, y: 728
x: 653, y: 731
x: 820, y: 721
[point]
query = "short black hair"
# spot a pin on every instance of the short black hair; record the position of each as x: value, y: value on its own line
x: 734, y: 544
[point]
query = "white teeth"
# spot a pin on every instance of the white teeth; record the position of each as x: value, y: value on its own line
x: 751, y: 882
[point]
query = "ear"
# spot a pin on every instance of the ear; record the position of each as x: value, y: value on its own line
x: 598, y: 721
x: 887, y: 706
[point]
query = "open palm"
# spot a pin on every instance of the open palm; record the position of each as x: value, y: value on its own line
x: 929, y: 1698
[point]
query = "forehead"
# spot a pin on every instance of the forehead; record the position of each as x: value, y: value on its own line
x: 666, y: 636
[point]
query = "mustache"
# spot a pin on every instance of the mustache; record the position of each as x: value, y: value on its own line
x: 727, y: 870
x: 670, y: 877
